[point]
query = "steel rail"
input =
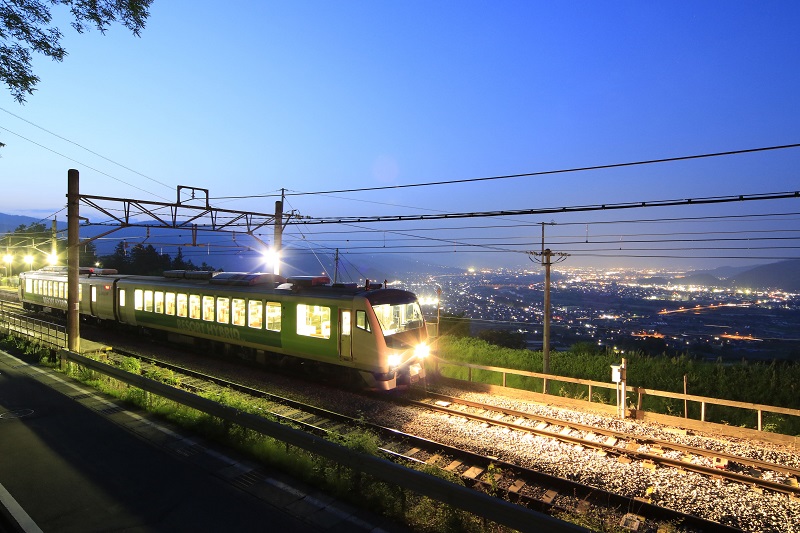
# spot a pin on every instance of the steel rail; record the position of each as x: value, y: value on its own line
x: 655, y: 458
x: 415, y: 444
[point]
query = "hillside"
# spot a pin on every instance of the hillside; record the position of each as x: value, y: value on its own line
x: 784, y: 275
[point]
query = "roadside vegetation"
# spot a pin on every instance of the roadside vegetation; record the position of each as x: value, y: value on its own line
x: 776, y: 383
x: 419, y: 513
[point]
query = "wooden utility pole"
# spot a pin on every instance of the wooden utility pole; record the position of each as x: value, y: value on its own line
x: 73, y: 268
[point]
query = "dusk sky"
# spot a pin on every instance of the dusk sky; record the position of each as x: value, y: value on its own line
x: 246, y: 98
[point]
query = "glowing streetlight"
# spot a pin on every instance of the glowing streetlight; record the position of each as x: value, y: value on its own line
x: 273, y: 257
x: 9, y: 259
x: 29, y: 259
x: 52, y: 259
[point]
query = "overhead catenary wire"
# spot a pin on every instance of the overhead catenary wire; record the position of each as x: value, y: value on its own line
x: 471, y: 242
x: 80, y: 163
x: 84, y: 148
x: 538, y: 173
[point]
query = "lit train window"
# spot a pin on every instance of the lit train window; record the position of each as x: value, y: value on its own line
x: 255, y: 314
x: 361, y: 320
x: 37, y: 284
x: 61, y: 289
x: 121, y: 297
x: 158, y: 302
x: 238, y: 310
x: 183, y: 306
x: 138, y: 299
x: 223, y: 310
x: 314, y: 321
x: 169, y: 303
x: 29, y: 285
x: 208, y: 308
x: 49, y: 288
x: 94, y: 293
x: 398, y: 317
x: 274, y: 316
x: 194, y: 306
x: 80, y: 292
x: 148, y: 301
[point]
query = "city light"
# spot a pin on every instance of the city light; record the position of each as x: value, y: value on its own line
x: 52, y: 259
x: 29, y: 260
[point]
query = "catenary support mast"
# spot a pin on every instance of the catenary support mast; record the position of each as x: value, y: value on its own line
x: 73, y: 268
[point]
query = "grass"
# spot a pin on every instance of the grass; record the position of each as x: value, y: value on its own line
x: 417, y: 512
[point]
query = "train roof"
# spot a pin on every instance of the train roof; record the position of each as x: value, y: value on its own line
x: 245, y: 282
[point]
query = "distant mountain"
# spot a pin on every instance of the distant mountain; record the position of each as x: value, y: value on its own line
x: 724, y: 272
x: 783, y: 275
x: 8, y: 223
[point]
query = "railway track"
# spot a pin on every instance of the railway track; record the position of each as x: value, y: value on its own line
x: 531, y: 486
x: 526, y: 486
x: 652, y: 453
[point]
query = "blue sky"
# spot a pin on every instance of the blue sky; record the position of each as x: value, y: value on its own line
x: 251, y: 97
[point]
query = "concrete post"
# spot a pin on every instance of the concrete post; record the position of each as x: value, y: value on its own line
x: 73, y: 269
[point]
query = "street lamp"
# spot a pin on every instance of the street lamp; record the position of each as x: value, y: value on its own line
x: 273, y: 256
x: 52, y: 259
x: 29, y: 260
x: 9, y: 259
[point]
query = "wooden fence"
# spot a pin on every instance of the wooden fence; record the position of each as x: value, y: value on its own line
x: 639, y: 392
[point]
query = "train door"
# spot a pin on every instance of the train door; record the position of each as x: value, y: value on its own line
x: 345, y: 335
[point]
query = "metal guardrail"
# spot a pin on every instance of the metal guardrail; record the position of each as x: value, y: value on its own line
x: 474, y: 502
x: 640, y: 392
x: 38, y: 331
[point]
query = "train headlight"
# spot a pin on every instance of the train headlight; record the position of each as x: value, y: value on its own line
x: 422, y: 351
x: 394, y: 360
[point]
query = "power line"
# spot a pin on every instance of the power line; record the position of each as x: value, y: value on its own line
x: 716, y: 218
x: 555, y: 210
x: 84, y: 148
x: 533, y: 174
x: 78, y: 162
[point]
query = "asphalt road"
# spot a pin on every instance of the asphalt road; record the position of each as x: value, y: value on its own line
x: 70, y: 466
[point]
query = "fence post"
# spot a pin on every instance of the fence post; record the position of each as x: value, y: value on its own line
x: 759, y: 419
x: 702, y: 411
x: 685, y: 401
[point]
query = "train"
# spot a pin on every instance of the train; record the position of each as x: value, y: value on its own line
x: 372, y: 334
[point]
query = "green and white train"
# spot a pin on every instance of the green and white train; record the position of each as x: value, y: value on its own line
x: 374, y: 332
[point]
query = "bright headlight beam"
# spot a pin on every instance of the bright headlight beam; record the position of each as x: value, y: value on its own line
x: 422, y: 350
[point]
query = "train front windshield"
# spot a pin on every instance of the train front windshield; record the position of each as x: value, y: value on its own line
x: 395, y: 318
